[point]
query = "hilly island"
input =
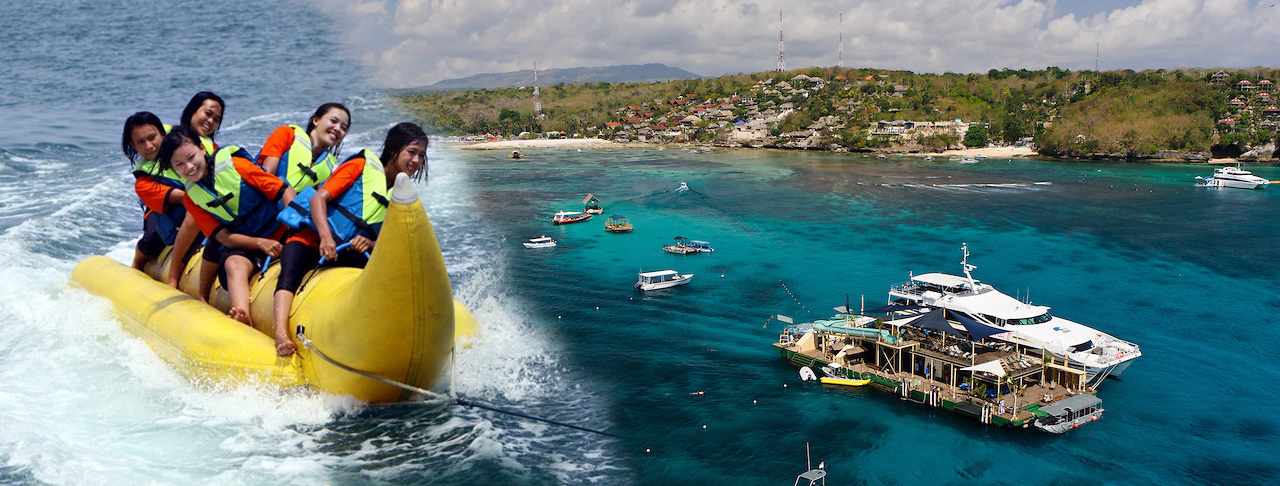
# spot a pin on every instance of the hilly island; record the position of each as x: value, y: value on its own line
x: 1180, y: 114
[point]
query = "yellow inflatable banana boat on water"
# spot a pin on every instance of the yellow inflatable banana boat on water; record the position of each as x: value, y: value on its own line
x: 395, y: 319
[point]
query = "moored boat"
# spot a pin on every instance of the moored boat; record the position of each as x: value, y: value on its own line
x: 1069, y: 413
x: 395, y: 319
x: 543, y: 241
x: 515, y: 154
x: 1233, y: 177
x: 618, y: 224
x: 566, y: 217
x: 968, y: 302
x: 591, y: 205
x: 662, y: 279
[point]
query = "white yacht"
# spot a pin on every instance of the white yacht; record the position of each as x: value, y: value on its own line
x: 543, y: 241
x: 662, y: 279
x: 1233, y: 177
x: 1025, y: 324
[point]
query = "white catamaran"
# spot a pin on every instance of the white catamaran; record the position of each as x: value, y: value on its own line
x: 966, y: 299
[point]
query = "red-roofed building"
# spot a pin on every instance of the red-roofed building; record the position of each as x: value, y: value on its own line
x: 1271, y: 113
x: 1264, y: 97
x: 1245, y: 85
x: 632, y: 120
x: 1265, y: 85
x: 612, y: 125
x: 1236, y: 103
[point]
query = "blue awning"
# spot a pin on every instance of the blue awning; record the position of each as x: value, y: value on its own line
x: 977, y: 330
x: 934, y: 320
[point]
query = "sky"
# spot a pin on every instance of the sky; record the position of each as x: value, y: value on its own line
x: 411, y: 43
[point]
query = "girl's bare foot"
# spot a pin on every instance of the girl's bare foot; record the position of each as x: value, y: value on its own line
x: 284, y: 347
x: 240, y: 314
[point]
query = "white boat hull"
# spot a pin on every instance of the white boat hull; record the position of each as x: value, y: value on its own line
x: 681, y: 280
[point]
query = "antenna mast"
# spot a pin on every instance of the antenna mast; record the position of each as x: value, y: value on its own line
x: 782, y: 58
x: 840, y: 58
x: 537, y: 100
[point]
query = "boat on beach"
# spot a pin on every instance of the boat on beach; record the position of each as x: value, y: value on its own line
x: 566, y: 217
x: 618, y: 224
x: 543, y: 241
x: 662, y: 279
x: 1233, y: 177
x: 355, y: 329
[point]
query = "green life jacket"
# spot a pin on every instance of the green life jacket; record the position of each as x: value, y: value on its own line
x: 298, y: 168
x: 363, y: 207
x: 242, y: 208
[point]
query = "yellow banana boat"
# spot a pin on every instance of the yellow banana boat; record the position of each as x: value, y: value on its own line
x: 395, y: 319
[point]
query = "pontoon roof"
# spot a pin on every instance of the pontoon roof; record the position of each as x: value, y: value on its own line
x: 659, y: 273
x: 1074, y: 402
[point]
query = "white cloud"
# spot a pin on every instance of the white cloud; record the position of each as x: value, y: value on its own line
x: 418, y: 42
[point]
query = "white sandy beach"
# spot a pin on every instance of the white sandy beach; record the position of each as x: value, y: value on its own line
x: 539, y: 143
x: 992, y: 152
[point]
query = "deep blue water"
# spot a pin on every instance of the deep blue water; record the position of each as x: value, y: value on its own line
x: 686, y: 378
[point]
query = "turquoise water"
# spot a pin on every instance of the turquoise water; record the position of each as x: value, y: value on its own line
x: 1134, y: 250
x: 685, y: 378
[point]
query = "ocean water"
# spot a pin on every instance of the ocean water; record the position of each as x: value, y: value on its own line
x: 683, y: 383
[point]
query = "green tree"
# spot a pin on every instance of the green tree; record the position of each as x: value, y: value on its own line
x: 976, y: 137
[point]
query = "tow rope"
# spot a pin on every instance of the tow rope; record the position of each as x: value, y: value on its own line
x: 428, y: 393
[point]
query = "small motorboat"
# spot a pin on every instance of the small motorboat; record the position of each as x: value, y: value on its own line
x: 836, y: 375
x: 662, y: 279
x: 543, y: 241
x: 683, y: 187
x: 566, y: 217
x: 1069, y: 413
x: 969, y: 159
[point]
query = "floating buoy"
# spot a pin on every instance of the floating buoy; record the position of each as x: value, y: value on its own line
x: 704, y: 426
x: 646, y: 450
x: 722, y: 275
x: 753, y: 400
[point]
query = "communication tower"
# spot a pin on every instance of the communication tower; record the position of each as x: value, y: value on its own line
x: 840, y: 56
x: 782, y: 58
x: 537, y: 101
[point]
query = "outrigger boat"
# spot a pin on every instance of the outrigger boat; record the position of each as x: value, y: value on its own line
x: 591, y: 205
x: 515, y: 154
x: 566, y: 217
x: 617, y: 224
x: 358, y: 332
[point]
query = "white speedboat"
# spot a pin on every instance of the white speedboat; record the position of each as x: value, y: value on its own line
x: 1233, y: 177
x: 1024, y: 324
x: 543, y: 241
x: 968, y: 159
x: 662, y: 279
x: 683, y: 187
